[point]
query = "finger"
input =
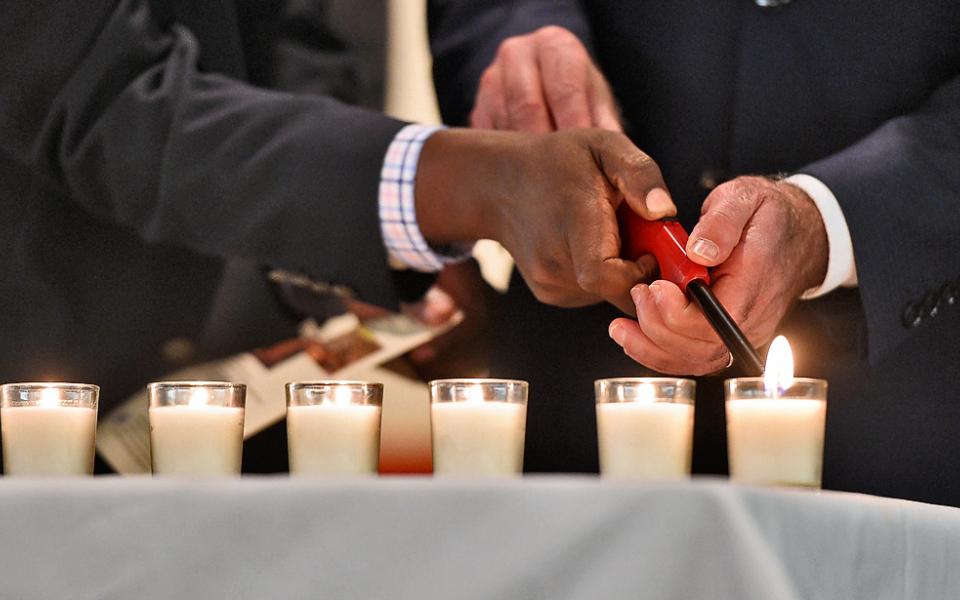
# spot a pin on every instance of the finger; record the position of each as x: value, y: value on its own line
x: 635, y: 175
x: 526, y: 108
x: 724, y: 215
x: 594, y: 242
x: 679, y: 314
x: 490, y: 107
x: 603, y: 106
x: 651, y: 303
x: 436, y: 308
x: 564, y: 67
x: 641, y: 348
x: 547, y: 290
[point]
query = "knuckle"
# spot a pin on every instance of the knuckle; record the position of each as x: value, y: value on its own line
x: 489, y: 76
x: 672, y: 321
x: 524, y: 107
x: 566, y: 91
x: 589, y: 280
x: 555, y: 33
x: 512, y: 47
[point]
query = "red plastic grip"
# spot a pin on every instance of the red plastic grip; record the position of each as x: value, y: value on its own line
x: 665, y: 240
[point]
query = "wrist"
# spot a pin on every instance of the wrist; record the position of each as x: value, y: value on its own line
x: 808, y: 236
x: 460, y: 179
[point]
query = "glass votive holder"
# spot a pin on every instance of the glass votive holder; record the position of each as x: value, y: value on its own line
x: 645, y: 427
x: 196, y: 427
x: 775, y: 436
x: 478, y: 426
x: 333, y: 427
x: 48, y: 428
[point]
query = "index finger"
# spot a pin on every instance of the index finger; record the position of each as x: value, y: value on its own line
x: 595, y: 252
x: 565, y: 68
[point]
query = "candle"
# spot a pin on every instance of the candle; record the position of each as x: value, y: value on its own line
x: 775, y: 424
x: 196, y: 427
x: 48, y: 428
x: 478, y: 426
x: 333, y: 427
x: 645, y: 427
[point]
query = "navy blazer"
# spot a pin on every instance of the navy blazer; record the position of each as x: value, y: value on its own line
x: 864, y: 96
x: 146, y: 174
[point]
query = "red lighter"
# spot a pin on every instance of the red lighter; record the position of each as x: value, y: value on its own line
x: 666, y: 240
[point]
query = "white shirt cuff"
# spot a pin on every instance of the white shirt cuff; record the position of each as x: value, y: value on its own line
x: 406, y: 246
x: 841, y: 266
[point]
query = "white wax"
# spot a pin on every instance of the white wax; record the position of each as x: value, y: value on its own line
x: 196, y: 440
x: 48, y: 440
x: 478, y: 438
x: 776, y: 441
x: 648, y: 440
x: 333, y: 438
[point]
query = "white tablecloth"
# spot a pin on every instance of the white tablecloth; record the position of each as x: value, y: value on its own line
x: 267, y: 538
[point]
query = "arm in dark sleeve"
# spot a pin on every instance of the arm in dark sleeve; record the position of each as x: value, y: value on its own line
x: 465, y: 35
x: 899, y: 189
x: 103, y: 105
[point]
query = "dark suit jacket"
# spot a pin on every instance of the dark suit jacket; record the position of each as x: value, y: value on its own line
x: 864, y: 96
x: 146, y: 170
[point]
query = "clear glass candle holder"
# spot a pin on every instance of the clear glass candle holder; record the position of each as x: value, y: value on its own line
x: 645, y: 427
x: 196, y: 427
x: 478, y: 426
x: 333, y: 427
x: 48, y: 428
x: 775, y: 436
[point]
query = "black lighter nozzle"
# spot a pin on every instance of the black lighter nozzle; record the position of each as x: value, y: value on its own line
x: 743, y: 352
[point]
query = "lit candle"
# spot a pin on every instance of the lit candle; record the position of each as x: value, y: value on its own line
x: 775, y: 424
x: 645, y: 427
x: 333, y: 427
x: 196, y: 427
x: 48, y: 428
x: 478, y: 426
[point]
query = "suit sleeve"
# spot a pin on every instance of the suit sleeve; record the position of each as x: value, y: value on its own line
x: 465, y: 35
x: 112, y: 111
x: 899, y: 189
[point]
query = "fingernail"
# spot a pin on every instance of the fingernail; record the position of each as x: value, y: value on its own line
x: 705, y: 249
x: 616, y: 332
x: 657, y: 292
x: 658, y: 201
x: 635, y: 293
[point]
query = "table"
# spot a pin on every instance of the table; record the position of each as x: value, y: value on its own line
x: 540, y: 537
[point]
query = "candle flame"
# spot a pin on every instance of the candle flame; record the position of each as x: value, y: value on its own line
x: 646, y: 393
x: 778, y: 371
x: 49, y: 397
x: 199, y: 397
x: 342, y: 395
x: 474, y: 394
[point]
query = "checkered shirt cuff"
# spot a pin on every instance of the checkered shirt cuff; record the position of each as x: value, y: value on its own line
x: 405, y: 243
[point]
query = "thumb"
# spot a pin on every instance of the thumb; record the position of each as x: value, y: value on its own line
x: 725, y: 213
x: 635, y: 175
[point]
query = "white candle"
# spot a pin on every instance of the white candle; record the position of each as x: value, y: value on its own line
x: 49, y: 428
x: 649, y: 440
x: 196, y: 440
x: 196, y: 427
x: 775, y: 424
x: 48, y: 440
x: 776, y: 441
x: 478, y: 438
x: 333, y: 438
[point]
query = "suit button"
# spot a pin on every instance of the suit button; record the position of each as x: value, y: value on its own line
x: 911, y: 316
x: 931, y: 304
x: 950, y: 294
x: 711, y: 178
x: 768, y: 5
